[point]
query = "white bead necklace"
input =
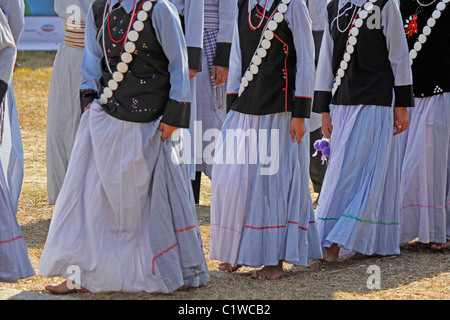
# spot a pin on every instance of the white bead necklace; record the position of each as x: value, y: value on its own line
x: 352, y: 40
x: 264, y: 45
x: 422, y: 38
x: 130, y: 47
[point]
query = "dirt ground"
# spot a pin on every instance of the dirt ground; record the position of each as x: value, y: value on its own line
x: 421, y: 275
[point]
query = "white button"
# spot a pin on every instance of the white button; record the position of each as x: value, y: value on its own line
x: 272, y: 25
x: 254, y: 69
x: 358, y: 23
x: 278, y: 17
x: 249, y: 75
x: 413, y: 54
x: 368, y: 6
x: 417, y: 46
x: 118, y: 76
x: 244, y: 82
x: 130, y: 47
x: 262, y: 53
x: 340, y: 73
x: 113, y: 84
x: 347, y: 57
x: 352, y: 40
x: 147, y: 6
x: 441, y: 6
x: 103, y: 99
x: 363, y: 14
x: 142, y: 15
x: 431, y: 22
x: 126, y: 57
x: 138, y: 26
x: 422, y: 38
x: 108, y: 92
x: 426, y: 30
x: 268, y: 35
x: 256, y: 60
x: 350, y: 49
x: 133, y: 36
x: 266, y: 44
x: 436, y: 14
x: 282, y: 7
x: 354, y: 32
x: 122, y: 67
x: 344, y: 65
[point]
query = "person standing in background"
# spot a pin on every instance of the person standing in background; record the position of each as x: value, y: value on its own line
x: 63, y: 110
x: 191, y: 13
x: 211, y: 82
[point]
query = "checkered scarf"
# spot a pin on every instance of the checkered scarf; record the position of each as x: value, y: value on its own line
x: 209, y: 47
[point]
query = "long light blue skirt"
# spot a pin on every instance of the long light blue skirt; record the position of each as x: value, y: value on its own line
x: 359, y: 206
x: 261, y: 208
x: 425, y: 190
x: 125, y: 216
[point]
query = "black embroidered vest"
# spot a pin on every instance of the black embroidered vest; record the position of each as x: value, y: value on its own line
x: 369, y: 78
x: 144, y: 91
x: 431, y: 68
x: 272, y: 88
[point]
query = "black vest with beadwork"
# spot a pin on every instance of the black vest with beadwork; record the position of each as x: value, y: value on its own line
x: 431, y: 67
x: 369, y: 79
x: 144, y: 91
x: 272, y: 88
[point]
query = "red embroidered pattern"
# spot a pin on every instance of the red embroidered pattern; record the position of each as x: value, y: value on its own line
x: 411, y: 28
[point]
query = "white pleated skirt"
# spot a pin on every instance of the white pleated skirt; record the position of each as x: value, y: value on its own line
x: 425, y: 191
x: 358, y: 207
x: 63, y: 116
x: 14, y: 261
x: 261, y: 208
x: 125, y: 217
x: 11, y: 148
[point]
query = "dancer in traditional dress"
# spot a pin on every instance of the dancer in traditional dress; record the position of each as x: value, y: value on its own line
x: 125, y: 217
x: 11, y: 148
x: 211, y: 82
x: 14, y: 261
x: 425, y: 188
x: 63, y: 110
x: 192, y: 19
x: 363, y: 87
x: 261, y: 207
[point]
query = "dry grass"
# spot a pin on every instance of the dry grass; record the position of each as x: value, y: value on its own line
x: 412, y: 275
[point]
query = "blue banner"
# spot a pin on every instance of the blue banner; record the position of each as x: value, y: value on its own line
x: 39, y: 8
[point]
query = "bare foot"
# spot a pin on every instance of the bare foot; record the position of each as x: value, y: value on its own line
x: 330, y: 254
x: 64, y: 289
x: 440, y: 246
x: 270, y: 272
x: 227, y: 267
x: 356, y: 256
x: 417, y: 246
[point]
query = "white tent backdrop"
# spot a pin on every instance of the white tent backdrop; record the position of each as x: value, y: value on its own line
x: 44, y: 30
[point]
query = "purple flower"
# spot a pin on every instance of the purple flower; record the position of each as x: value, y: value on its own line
x: 317, y: 145
x: 326, y: 151
x: 324, y: 144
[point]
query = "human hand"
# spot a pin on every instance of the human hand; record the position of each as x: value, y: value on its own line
x: 401, y: 120
x: 192, y: 73
x: 297, y: 129
x: 167, y: 130
x: 220, y: 74
x: 327, y: 126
